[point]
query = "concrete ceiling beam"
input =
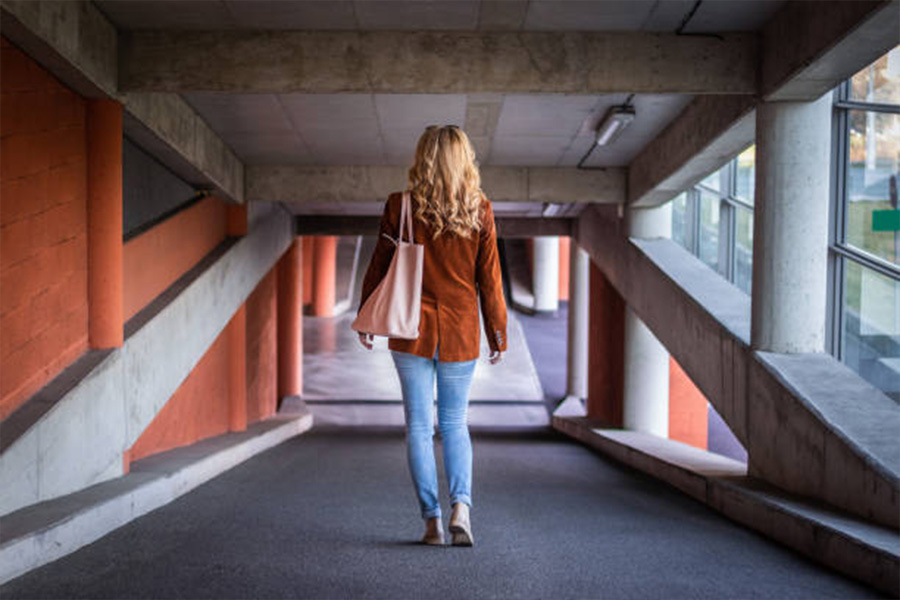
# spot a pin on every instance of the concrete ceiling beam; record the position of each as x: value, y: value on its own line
x: 807, y: 49
x: 709, y: 132
x: 810, y: 47
x: 76, y: 43
x: 437, y: 62
x: 295, y: 186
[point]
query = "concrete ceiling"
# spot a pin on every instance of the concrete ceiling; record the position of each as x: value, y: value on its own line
x: 522, y: 15
x: 382, y: 129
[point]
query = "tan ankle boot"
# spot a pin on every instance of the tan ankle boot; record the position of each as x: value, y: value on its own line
x: 460, y: 526
x: 434, y: 532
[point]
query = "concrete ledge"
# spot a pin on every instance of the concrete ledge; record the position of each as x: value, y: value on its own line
x: 387, y: 413
x: 43, y: 532
x: 864, y: 551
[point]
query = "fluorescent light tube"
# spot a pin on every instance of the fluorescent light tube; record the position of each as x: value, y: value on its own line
x: 613, y: 124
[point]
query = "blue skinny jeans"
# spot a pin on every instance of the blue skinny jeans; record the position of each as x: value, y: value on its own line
x: 417, y: 375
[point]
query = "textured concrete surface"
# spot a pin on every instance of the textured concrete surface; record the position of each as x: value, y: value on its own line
x: 704, y: 322
x: 806, y: 51
x: 791, y: 217
x: 859, y: 549
x: 79, y: 442
x: 573, y: 62
x: 709, y: 132
x: 49, y: 530
x: 332, y: 514
x: 335, y: 187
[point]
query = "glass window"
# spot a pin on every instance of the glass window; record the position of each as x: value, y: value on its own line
x: 866, y: 333
x: 712, y: 181
x: 871, y: 327
x: 680, y: 226
x: 745, y: 172
x: 709, y: 229
x: 872, y: 172
x: 879, y: 82
x: 743, y: 248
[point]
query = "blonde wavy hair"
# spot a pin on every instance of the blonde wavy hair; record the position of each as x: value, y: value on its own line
x: 444, y: 182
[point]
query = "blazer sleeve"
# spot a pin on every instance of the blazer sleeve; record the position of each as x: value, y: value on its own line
x: 382, y: 255
x: 490, y: 283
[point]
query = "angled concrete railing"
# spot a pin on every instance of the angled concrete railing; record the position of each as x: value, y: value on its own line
x: 810, y: 424
x: 80, y: 440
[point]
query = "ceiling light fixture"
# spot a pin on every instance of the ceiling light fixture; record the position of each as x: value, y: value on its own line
x: 611, y: 126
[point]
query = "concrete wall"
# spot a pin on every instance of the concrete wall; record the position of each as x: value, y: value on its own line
x: 43, y: 228
x: 81, y: 440
x: 809, y: 423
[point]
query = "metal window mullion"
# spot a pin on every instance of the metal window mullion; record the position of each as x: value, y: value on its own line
x: 837, y: 234
x: 694, y: 202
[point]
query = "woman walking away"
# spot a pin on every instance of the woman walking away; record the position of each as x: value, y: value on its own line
x: 455, y: 223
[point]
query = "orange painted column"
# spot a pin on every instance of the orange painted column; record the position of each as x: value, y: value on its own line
x: 688, y: 411
x: 308, y: 248
x: 324, y: 271
x: 606, y: 351
x: 104, y: 201
x: 290, y: 321
x: 237, y: 370
x: 564, y: 242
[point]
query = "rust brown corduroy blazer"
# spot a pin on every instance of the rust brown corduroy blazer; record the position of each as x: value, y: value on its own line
x: 453, y: 267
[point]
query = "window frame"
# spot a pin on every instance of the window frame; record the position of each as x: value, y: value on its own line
x: 839, y: 250
x: 729, y: 204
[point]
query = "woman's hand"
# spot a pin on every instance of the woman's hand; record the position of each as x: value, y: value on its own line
x: 366, y: 339
x: 495, y: 357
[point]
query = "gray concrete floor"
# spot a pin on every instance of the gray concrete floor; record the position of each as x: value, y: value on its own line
x: 332, y: 514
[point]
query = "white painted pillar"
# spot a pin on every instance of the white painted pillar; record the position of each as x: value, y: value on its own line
x: 545, y: 273
x: 574, y: 404
x: 646, y: 387
x: 790, y: 229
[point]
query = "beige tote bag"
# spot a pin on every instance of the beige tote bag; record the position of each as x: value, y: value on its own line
x: 393, y: 308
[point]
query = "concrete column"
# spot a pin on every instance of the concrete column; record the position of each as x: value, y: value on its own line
x: 790, y: 228
x: 237, y: 370
x: 646, y: 388
x: 577, y: 340
x: 545, y: 273
x: 104, y: 218
x: 325, y: 259
x: 290, y: 321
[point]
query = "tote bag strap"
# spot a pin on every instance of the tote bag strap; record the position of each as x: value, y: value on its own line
x: 406, y: 219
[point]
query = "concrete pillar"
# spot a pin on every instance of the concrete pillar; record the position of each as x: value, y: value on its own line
x: 237, y: 370
x: 104, y: 232
x: 324, y: 270
x: 545, y: 273
x: 290, y: 321
x: 577, y: 341
x: 646, y: 389
x: 790, y: 228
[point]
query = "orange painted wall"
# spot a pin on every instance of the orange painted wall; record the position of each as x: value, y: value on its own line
x: 262, y: 348
x: 155, y: 259
x: 197, y: 410
x: 688, y: 411
x: 203, y: 404
x: 606, y: 344
x: 43, y: 227
x: 564, y: 242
